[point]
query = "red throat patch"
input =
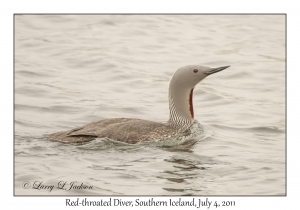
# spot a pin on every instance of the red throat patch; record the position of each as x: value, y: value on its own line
x: 191, y: 103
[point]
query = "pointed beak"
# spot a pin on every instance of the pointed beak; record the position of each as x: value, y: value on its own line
x: 215, y: 70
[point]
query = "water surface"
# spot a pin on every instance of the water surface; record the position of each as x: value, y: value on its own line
x: 74, y: 69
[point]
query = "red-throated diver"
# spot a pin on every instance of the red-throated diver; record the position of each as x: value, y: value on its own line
x: 132, y: 131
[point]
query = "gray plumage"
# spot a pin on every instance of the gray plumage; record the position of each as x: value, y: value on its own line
x: 130, y: 130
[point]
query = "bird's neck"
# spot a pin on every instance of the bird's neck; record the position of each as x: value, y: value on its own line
x: 181, y: 108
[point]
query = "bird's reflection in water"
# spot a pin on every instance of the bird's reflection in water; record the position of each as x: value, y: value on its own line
x: 185, y: 168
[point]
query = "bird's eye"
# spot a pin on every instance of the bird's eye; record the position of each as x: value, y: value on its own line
x: 195, y: 70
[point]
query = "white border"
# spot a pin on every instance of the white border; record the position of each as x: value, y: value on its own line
x: 8, y: 8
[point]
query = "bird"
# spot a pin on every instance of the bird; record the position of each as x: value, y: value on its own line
x: 132, y: 131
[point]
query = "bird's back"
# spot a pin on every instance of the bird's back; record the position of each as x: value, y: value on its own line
x: 126, y: 130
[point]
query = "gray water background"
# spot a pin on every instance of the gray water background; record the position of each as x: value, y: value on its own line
x: 74, y: 69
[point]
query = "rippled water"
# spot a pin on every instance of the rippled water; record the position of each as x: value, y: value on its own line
x: 74, y: 69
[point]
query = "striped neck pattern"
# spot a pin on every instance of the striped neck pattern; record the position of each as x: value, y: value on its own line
x: 177, y: 120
